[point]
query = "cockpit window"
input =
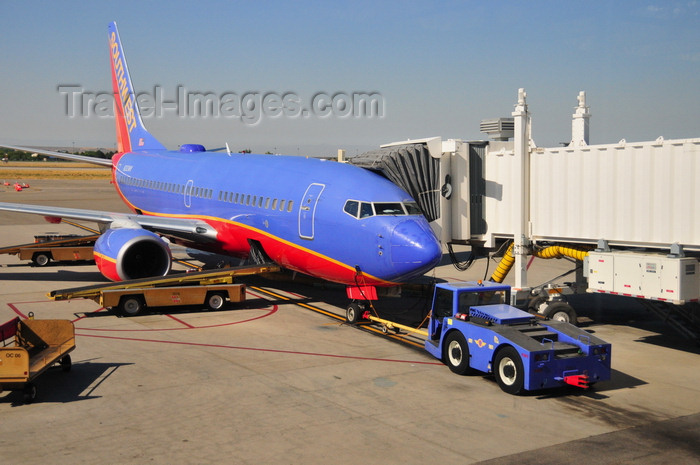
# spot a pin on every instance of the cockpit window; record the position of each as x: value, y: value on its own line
x: 393, y: 208
x: 351, y: 207
x: 366, y: 210
x: 412, y: 208
x: 360, y: 210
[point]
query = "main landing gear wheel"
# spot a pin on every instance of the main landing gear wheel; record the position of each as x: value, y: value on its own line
x: 131, y: 305
x: 561, y: 311
x: 354, y: 312
x: 508, y: 370
x: 215, y: 301
x: 456, y: 354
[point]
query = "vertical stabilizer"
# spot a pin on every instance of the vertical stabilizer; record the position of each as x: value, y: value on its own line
x: 132, y: 136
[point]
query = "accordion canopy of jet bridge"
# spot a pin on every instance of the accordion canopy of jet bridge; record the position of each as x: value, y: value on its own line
x: 410, y: 167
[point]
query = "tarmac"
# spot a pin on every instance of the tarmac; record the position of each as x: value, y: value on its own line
x: 282, y: 378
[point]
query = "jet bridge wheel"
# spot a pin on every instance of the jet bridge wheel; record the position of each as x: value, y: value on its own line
x: 508, y: 370
x: 456, y: 354
x: 561, y: 311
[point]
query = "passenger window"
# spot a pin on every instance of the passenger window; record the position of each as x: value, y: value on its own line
x: 366, y: 210
x: 290, y: 205
x: 274, y: 204
x: 267, y: 202
x: 351, y: 207
x: 282, y: 205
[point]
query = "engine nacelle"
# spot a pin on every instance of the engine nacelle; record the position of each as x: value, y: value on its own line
x: 122, y: 254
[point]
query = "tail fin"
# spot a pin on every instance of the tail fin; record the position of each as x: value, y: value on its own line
x: 131, y: 134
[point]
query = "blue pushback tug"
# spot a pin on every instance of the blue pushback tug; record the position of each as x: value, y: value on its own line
x: 472, y: 327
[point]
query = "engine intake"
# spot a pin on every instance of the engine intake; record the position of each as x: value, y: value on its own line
x: 122, y: 254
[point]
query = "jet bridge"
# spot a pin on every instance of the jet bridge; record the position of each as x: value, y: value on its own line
x: 639, y: 198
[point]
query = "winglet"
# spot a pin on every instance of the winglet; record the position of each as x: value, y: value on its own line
x: 132, y: 136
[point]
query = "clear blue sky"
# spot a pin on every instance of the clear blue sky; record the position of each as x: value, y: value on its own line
x: 440, y: 67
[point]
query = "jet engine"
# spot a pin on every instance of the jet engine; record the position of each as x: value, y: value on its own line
x: 125, y: 253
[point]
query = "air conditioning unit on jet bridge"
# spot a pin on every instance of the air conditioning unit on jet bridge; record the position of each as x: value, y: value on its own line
x: 649, y: 276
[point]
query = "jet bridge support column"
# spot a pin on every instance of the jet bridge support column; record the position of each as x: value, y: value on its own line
x: 521, y: 209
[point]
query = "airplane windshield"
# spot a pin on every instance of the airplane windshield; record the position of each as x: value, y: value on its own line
x: 359, y: 209
x: 412, y: 208
x: 388, y: 208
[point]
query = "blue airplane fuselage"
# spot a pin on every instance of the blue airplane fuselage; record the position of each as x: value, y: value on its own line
x: 319, y: 217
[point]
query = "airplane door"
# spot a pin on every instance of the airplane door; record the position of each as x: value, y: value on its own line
x: 307, y: 210
x: 188, y: 193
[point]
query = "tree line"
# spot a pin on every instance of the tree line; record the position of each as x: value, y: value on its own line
x: 17, y: 155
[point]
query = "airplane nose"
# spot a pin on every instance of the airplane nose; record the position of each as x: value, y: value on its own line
x: 414, y: 249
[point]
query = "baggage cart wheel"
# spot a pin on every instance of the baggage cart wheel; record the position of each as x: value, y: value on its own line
x: 561, y: 311
x: 508, y: 370
x: 131, y: 305
x: 29, y: 393
x: 456, y: 355
x: 215, y: 300
x: 66, y: 363
x: 41, y: 259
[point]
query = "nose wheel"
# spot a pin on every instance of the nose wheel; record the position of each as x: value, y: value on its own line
x: 354, y: 312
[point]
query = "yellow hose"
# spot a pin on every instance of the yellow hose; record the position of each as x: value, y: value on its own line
x: 554, y: 251
x: 558, y: 251
x: 504, y: 265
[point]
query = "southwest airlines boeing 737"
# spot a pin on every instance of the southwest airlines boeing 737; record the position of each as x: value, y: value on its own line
x: 329, y: 220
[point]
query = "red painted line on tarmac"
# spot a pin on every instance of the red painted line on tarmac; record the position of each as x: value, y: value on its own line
x: 16, y: 310
x: 272, y: 311
x: 254, y: 349
x: 180, y: 321
x: 186, y: 325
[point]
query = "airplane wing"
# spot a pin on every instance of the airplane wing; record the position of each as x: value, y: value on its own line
x: 189, y: 230
x: 65, y: 156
